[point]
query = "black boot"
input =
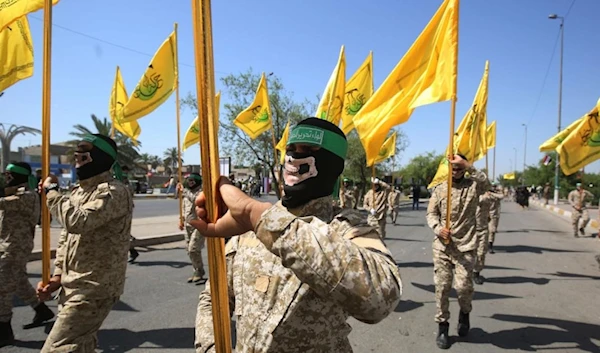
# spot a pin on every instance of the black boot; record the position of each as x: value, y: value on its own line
x: 7, y: 338
x: 463, y: 324
x: 477, y: 278
x: 442, y: 340
x: 492, y: 248
x: 133, y: 254
x: 42, y: 314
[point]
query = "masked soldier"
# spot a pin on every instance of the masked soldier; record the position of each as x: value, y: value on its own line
x: 194, y: 240
x: 300, y: 267
x: 455, y: 244
x: 394, y: 203
x: 376, y: 203
x: 19, y: 211
x: 484, y: 221
x: 133, y: 254
x: 347, y: 195
x: 91, y: 259
x: 495, y: 207
x: 579, y: 199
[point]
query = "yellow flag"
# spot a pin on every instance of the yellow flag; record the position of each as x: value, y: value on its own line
x: 426, y: 74
x: 491, y: 135
x: 192, y: 135
x: 283, y: 142
x: 553, y: 142
x: 509, y: 176
x: 256, y: 119
x: 582, y: 146
x: 359, y: 89
x: 16, y: 53
x: 332, y: 103
x: 10, y: 10
x: 118, y: 98
x: 157, y: 84
x: 388, y: 149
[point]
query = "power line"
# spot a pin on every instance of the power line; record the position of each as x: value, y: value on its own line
x: 113, y: 44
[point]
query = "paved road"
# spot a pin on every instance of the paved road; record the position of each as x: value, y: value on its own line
x: 541, y: 294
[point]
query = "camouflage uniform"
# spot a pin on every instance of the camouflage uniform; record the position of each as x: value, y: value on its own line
x: 578, y: 199
x: 484, y: 221
x: 91, y: 259
x: 19, y: 212
x: 495, y: 215
x: 393, y: 204
x: 193, y: 239
x: 347, y: 197
x: 132, y: 192
x: 294, y: 283
x: 380, y: 205
x: 460, y: 254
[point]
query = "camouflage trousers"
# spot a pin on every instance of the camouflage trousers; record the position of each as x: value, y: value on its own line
x: 195, y: 243
x: 452, y: 264
x: 482, y: 249
x: 347, y: 201
x: 493, y: 228
x: 576, y: 216
x: 394, y: 213
x: 379, y: 224
x: 13, y: 276
x: 77, y: 325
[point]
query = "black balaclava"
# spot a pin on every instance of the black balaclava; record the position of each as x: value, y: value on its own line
x: 103, y: 156
x: 328, y: 161
x: 197, y: 178
x: 20, y: 173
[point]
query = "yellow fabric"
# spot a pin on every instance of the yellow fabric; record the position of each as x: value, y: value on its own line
x: 332, y: 103
x: 157, y: 83
x: 192, y: 136
x: 388, y: 149
x: 553, y: 142
x: 282, y: 143
x: 509, y: 176
x: 10, y: 10
x: 16, y: 53
x: 470, y: 137
x: 491, y: 135
x: 359, y: 89
x: 118, y: 98
x: 256, y: 119
x: 426, y: 74
x: 582, y: 146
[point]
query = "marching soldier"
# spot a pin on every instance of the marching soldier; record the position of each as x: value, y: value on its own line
x: 376, y: 203
x: 347, y: 195
x: 394, y: 203
x: 579, y: 199
x: 484, y: 225
x: 194, y: 240
x: 495, y: 206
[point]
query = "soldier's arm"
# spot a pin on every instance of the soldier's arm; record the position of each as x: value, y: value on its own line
x: 205, y: 337
x: 359, y: 274
x: 188, y: 194
x: 497, y: 195
x: 434, y: 215
x: 483, y: 184
x: 571, y: 199
x: 111, y: 202
x: 367, y: 201
x: 60, y: 253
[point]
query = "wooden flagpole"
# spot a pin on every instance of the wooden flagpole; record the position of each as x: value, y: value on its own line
x: 177, y: 115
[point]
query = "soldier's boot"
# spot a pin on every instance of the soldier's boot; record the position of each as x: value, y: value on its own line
x: 582, y: 231
x: 42, y: 314
x: 491, y: 248
x: 477, y: 278
x: 202, y: 280
x: 133, y: 254
x: 197, y: 277
x: 463, y: 324
x: 442, y: 340
x: 7, y: 338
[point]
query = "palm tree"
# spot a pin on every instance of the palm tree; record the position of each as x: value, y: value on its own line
x: 170, y: 159
x: 145, y: 159
x: 7, y: 136
x: 127, y: 153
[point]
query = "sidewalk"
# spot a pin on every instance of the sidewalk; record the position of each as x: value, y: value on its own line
x: 563, y: 209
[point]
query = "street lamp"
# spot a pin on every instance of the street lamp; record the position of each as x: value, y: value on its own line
x: 514, y: 148
x: 562, y: 33
x: 525, y: 153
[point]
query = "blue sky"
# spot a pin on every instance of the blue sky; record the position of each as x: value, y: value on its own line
x: 300, y: 42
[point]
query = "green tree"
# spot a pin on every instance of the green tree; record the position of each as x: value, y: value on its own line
x: 421, y: 169
x: 6, y: 138
x: 240, y: 90
x: 170, y: 160
x: 128, y: 153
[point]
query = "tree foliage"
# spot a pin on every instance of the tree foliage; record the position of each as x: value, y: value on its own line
x: 7, y: 136
x: 421, y: 169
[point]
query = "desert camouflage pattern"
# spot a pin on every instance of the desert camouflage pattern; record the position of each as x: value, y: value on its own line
x: 463, y: 263
x: 93, y: 247
x: 465, y: 199
x: 377, y: 201
x: 294, y: 283
x: 347, y: 199
x: 194, y: 240
x: 580, y: 201
x: 19, y: 212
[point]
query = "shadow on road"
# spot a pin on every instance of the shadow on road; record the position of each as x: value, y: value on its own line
x: 419, y: 264
x: 529, y: 249
x: 477, y: 296
x: 122, y: 306
x: 403, y: 239
x: 407, y: 305
x: 517, y: 280
x: 572, y: 275
x: 533, y: 231
x: 29, y: 344
x: 173, y: 264
x: 539, y: 333
x: 124, y: 340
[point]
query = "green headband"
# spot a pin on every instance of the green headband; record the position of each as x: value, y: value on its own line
x: 312, y: 135
x: 105, y: 147
x: 31, y: 180
x: 195, y: 177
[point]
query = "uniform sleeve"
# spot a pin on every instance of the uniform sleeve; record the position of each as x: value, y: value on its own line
x: 205, y: 336
x: 434, y: 214
x: 367, y: 201
x: 497, y: 195
x: 188, y: 194
x: 363, y: 279
x: 572, y: 199
x: 60, y: 253
x: 13, y: 203
x: 110, y: 203
x: 483, y: 184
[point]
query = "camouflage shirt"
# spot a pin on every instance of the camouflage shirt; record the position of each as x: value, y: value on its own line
x: 19, y: 213
x: 294, y: 283
x: 189, y: 198
x: 92, y: 253
x: 393, y: 198
x: 577, y: 199
x: 465, y: 198
x: 486, y: 202
x: 379, y: 202
x: 496, y: 205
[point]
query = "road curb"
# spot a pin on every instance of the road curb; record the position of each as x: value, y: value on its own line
x: 36, y: 254
x: 565, y: 214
